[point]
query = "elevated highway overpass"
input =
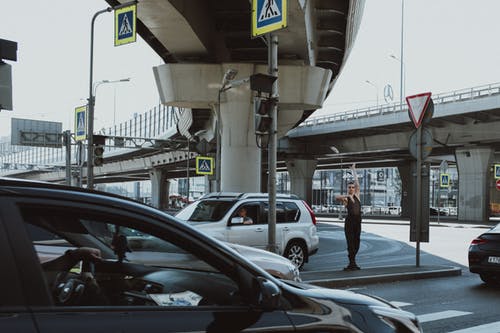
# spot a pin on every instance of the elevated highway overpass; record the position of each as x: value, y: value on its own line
x: 464, y: 128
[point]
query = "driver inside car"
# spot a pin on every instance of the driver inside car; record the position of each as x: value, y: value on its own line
x: 70, y: 288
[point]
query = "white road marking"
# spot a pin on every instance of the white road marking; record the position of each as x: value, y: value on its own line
x: 441, y: 315
x: 400, y: 304
x: 486, y: 328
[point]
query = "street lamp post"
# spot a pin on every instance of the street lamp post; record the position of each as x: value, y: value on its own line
x: 97, y: 84
x: 402, y: 80
x: 90, y: 127
x: 400, y: 59
x: 374, y: 86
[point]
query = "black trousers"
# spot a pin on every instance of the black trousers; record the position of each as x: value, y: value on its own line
x: 352, y: 230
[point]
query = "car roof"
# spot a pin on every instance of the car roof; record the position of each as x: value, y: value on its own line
x: 13, y: 186
x: 495, y: 229
x: 246, y: 195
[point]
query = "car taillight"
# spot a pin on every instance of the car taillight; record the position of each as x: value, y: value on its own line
x: 478, y: 241
x: 313, y: 217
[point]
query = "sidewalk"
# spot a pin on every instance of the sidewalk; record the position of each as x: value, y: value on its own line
x: 444, y: 221
x: 336, y: 279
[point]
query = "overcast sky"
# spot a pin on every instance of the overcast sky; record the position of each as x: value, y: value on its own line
x: 448, y: 45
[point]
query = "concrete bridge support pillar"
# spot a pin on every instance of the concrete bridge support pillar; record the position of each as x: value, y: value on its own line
x: 405, y: 177
x: 198, y: 86
x: 301, y: 176
x: 473, y: 174
x: 240, y: 165
x: 159, y: 188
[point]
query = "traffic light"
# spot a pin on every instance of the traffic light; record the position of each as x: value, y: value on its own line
x: 99, y: 141
x: 98, y: 155
x: 263, y: 120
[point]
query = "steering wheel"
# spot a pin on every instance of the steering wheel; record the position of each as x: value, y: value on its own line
x: 70, y: 288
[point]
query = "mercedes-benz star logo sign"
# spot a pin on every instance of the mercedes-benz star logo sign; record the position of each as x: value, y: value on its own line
x: 388, y: 93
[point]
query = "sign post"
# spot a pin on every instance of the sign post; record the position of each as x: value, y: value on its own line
x: 417, y: 105
x: 269, y: 16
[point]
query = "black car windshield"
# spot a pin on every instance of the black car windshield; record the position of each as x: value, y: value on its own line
x: 205, y: 211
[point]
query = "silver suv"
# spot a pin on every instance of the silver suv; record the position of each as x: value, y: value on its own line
x: 218, y: 214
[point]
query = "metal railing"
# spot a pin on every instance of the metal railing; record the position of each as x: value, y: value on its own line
x: 151, y: 124
x: 453, y: 96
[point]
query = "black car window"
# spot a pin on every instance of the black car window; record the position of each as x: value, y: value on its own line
x: 286, y: 212
x: 249, y: 212
x: 154, y: 270
x: 205, y: 211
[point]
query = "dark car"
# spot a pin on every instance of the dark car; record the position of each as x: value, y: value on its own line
x: 484, y: 256
x: 435, y: 212
x: 215, y: 290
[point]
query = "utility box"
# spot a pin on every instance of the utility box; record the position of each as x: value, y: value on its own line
x: 8, y: 51
x: 5, y: 86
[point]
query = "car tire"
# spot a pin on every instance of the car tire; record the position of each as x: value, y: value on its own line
x: 490, y: 278
x: 296, y: 252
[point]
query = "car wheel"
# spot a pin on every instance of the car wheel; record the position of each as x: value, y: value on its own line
x: 490, y: 279
x: 296, y: 252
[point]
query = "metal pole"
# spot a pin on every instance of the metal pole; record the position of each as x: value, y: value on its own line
x: 419, y: 194
x: 401, y: 74
x: 218, y: 148
x: 187, y: 171
x: 67, y: 141
x: 80, y: 163
x: 90, y: 130
x: 273, y: 142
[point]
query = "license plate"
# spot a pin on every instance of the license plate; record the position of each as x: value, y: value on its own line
x: 494, y: 260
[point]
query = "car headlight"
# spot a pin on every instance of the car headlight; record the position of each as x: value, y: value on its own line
x: 395, y: 318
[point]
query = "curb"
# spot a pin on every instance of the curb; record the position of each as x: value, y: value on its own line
x: 379, y: 276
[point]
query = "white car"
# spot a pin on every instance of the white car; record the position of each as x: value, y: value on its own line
x: 217, y: 215
x: 274, y: 264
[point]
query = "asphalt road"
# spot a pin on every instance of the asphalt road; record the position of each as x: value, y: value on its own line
x: 375, y: 249
x: 461, y: 304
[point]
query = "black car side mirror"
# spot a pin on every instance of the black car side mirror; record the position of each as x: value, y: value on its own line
x: 270, y: 294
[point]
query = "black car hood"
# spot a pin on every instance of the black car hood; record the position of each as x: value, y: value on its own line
x: 338, y: 295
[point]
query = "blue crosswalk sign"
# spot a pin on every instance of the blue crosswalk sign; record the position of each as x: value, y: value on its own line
x: 204, y: 165
x: 81, y: 123
x: 268, y: 15
x: 125, y: 25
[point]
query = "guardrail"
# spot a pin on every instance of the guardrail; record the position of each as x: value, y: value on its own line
x: 151, y: 124
x: 453, y: 96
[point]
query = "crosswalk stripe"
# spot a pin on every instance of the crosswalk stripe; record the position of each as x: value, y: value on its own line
x: 400, y: 304
x: 441, y: 315
x: 486, y: 328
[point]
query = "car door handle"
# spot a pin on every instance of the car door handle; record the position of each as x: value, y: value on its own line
x: 259, y: 230
x: 286, y: 229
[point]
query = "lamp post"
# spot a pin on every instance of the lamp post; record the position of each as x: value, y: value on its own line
x: 98, y: 83
x: 229, y: 75
x: 374, y: 86
x: 400, y: 59
x: 402, y: 80
x: 90, y: 128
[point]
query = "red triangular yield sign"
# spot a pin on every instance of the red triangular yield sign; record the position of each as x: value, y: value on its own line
x: 417, y: 104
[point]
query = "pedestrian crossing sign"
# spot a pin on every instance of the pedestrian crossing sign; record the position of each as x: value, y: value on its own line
x: 204, y: 165
x: 125, y: 25
x: 268, y: 16
x: 497, y: 171
x: 445, y: 180
x: 81, y: 123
